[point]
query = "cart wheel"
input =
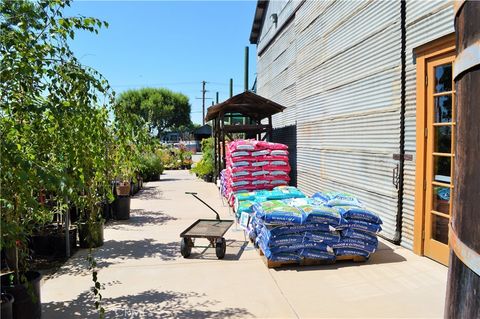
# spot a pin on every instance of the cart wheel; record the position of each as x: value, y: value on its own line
x: 220, y: 247
x: 185, y: 247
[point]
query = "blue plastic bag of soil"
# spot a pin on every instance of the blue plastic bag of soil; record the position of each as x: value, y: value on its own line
x: 329, y: 238
x: 288, y: 192
x: 362, y: 226
x: 317, y: 254
x: 304, y: 245
x: 244, y: 206
x: 278, y: 256
x: 241, y: 196
x: 322, y: 214
x: 357, y: 213
x: 277, y: 212
x: 355, y: 244
x: 358, y: 234
x: 351, y: 252
x: 288, y: 239
x: 344, y: 200
x: 321, y: 197
x: 289, y: 229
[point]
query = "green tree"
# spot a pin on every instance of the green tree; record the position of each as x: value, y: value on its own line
x: 160, y: 108
x: 55, y: 130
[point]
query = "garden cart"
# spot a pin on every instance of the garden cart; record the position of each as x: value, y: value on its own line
x: 211, y: 229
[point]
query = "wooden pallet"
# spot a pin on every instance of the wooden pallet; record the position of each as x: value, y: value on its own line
x: 307, y: 261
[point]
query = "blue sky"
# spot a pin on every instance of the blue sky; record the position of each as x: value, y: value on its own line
x: 172, y: 44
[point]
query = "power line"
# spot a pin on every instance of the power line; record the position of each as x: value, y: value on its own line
x: 154, y: 84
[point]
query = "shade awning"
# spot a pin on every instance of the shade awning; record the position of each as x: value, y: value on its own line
x: 246, y: 103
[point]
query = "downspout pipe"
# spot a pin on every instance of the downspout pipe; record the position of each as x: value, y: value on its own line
x: 398, y: 227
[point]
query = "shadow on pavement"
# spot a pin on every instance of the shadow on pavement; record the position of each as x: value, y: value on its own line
x: 137, y: 249
x: 234, y: 251
x: 140, y: 218
x: 114, y: 252
x: 149, y: 192
x: 147, y: 304
x: 384, y: 255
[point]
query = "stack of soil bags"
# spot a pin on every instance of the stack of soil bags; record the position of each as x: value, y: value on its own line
x: 244, y: 201
x: 255, y: 165
x: 292, y: 229
x: 322, y: 227
x: 359, y: 227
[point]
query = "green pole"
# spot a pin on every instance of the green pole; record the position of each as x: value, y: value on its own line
x: 246, y: 68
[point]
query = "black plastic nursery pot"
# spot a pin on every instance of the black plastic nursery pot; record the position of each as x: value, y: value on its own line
x: 121, y: 208
x: 50, y: 241
x: 90, y: 235
x: 27, y: 303
x: 106, y: 210
x: 7, y: 306
x: 208, y: 178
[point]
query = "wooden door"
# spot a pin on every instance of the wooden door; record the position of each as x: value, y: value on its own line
x: 439, y: 156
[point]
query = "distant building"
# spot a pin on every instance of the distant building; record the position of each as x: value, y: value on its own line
x: 368, y: 88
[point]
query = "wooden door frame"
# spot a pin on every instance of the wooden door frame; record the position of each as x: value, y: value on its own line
x: 423, y: 53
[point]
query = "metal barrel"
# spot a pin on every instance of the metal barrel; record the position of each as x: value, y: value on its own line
x: 463, y: 286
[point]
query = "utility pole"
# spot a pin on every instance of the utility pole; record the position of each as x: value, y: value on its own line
x: 203, y: 101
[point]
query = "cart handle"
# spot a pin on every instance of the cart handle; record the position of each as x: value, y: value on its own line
x: 195, y: 195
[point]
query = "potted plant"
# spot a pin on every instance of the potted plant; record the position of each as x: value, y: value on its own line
x: 6, y: 306
x: 90, y: 224
x: 204, y: 168
x: 151, y: 166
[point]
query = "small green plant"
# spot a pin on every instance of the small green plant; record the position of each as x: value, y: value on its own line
x: 151, y: 166
x: 205, y: 167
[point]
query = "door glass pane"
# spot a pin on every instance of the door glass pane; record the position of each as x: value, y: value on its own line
x: 443, y: 139
x: 441, y: 168
x: 443, y: 109
x: 443, y: 78
x: 440, y: 228
x: 441, y: 199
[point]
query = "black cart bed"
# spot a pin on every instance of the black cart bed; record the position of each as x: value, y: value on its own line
x: 206, y: 228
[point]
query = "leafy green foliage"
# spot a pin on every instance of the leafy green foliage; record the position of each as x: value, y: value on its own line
x: 161, y: 109
x: 205, y: 166
x: 56, y: 131
x: 151, y: 166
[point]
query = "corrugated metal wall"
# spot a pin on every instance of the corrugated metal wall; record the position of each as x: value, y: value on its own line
x: 288, y: 135
x: 276, y: 75
x: 348, y: 101
x: 336, y: 67
x: 426, y: 21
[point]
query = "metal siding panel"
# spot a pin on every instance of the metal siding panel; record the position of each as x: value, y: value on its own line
x: 283, y: 9
x: 325, y: 99
x: 288, y: 135
x: 315, y: 172
x: 277, y: 76
x: 426, y: 21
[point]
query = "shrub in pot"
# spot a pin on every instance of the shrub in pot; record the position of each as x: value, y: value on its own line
x: 90, y: 225
x: 6, y: 306
x: 49, y: 240
x: 151, y: 166
x: 204, y: 168
x: 26, y: 294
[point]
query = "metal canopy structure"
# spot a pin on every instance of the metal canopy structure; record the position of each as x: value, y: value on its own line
x: 253, y: 108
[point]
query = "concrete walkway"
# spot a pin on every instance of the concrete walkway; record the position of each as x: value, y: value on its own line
x: 145, y: 276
